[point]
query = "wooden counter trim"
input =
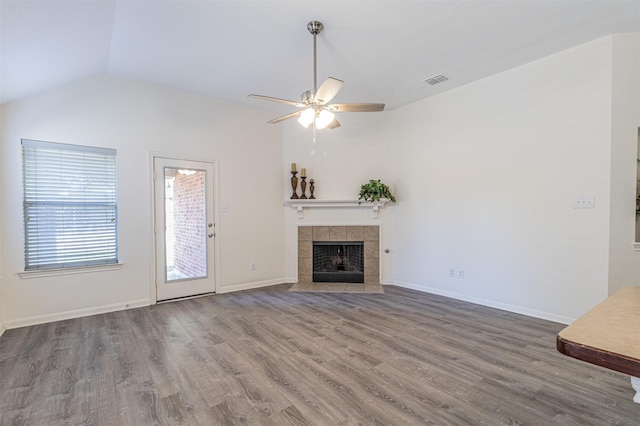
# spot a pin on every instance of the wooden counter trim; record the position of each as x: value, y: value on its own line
x: 610, y: 360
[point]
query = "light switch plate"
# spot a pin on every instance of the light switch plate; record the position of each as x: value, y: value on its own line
x: 584, y: 202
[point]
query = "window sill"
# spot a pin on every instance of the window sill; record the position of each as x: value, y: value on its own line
x: 69, y: 271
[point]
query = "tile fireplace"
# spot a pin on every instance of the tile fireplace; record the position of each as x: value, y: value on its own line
x: 339, y: 245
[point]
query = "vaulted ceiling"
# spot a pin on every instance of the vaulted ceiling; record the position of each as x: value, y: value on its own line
x: 383, y: 50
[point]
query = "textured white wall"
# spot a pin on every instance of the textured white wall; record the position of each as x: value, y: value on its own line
x: 3, y: 298
x: 487, y: 174
x: 485, y: 177
x: 136, y: 119
x: 2, y: 326
x: 340, y: 162
x: 624, y: 262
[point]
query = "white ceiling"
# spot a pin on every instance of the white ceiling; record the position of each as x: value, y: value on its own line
x: 383, y: 50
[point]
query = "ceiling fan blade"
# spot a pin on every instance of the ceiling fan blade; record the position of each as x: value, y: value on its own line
x: 335, y: 123
x: 327, y: 90
x: 355, y: 107
x: 282, y: 101
x: 284, y: 117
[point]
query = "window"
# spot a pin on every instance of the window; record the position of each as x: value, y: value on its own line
x: 70, y: 211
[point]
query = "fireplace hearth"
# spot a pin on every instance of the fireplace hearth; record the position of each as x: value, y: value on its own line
x: 338, y: 261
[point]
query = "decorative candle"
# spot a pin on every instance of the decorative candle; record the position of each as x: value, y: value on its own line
x: 303, y: 172
x: 293, y: 167
x: 311, y: 189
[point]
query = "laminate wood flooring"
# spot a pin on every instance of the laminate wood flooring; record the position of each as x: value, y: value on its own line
x: 274, y: 357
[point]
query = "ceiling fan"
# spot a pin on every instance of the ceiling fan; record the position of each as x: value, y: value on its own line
x: 316, y: 110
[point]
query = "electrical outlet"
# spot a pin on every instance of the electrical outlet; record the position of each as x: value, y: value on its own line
x: 452, y: 273
x: 253, y: 266
x: 461, y: 273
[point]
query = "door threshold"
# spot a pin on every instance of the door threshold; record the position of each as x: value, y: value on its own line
x: 176, y: 299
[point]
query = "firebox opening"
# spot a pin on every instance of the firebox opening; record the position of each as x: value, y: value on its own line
x: 336, y: 261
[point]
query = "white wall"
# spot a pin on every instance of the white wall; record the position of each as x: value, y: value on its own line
x: 2, y: 297
x: 487, y: 174
x: 340, y: 162
x: 624, y: 262
x: 485, y: 177
x: 2, y: 326
x: 137, y: 119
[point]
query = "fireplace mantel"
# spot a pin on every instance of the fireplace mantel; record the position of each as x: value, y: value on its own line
x: 300, y: 205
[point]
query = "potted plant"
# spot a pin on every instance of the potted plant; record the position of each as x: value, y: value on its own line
x: 374, y: 190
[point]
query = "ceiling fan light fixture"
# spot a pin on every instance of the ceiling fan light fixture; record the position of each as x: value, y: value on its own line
x: 306, y: 117
x: 324, y: 118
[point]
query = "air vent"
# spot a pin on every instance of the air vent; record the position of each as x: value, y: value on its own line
x: 436, y: 79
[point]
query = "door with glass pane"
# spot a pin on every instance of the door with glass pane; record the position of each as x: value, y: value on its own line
x: 184, y: 228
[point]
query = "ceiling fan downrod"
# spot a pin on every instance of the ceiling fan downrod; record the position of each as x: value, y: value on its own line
x: 314, y: 28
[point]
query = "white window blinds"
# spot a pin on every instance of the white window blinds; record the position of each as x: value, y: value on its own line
x: 70, y: 211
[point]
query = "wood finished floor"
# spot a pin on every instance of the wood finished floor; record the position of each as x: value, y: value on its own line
x: 275, y: 357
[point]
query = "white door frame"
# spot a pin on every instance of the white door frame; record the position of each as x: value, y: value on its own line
x: 152, y: 249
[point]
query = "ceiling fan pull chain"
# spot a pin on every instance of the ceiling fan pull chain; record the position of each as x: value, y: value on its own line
x: 314, y: 132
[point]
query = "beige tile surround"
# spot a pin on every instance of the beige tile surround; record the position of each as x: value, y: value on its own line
x: 369, y: 234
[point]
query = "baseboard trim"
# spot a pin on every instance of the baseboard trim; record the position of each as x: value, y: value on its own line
x: 486, y: 302
x: 59, y: 316
x: 254, y: 284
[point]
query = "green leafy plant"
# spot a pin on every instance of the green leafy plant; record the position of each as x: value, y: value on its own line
x: 374, y: 190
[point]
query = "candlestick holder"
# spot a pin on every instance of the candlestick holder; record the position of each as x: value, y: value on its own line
x: 294, y: 185
x: 311, y: 188
x: 303, y: 186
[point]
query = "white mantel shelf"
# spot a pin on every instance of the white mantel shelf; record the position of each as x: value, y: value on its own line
x: 300, y: 205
